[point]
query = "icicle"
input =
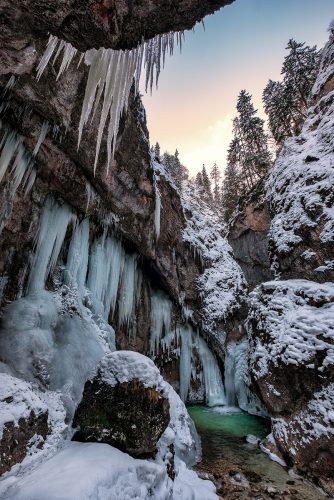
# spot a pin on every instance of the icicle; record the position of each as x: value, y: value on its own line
x: 9, y: 144
x: 161, y: 315
x: 157, y: 212
x: 111, y: 75
x: 12, y: 147
x: 214, y: 388
x: 229, y: 376
x: 77, y: 258
x: 186, y: 334
x: 41, y: 138
x: 52, y: 231
x: 127, y: 296
x: 68, y: 53
x: 50, y: 48
x: 105, y: 268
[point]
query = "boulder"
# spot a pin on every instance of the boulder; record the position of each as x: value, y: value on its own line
x: 29, y: 420
x: 127, y: 411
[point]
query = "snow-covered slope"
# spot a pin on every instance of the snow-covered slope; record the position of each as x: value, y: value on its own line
x: 300, y: 187
x: 222, y: 284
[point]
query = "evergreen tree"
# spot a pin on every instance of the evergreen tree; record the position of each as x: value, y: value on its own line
x: 199, y: 182
x: 248, y: 156
x: 157, y: 151
x: 207, y: 194
x: 174, y: 167
x: 286, y: 102
x: 230, y: 191
x: 215, y: 177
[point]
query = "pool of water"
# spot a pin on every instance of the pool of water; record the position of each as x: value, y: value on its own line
x: 224, y: 448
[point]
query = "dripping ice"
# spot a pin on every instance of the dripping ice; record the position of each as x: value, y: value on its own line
x: 111, y: 74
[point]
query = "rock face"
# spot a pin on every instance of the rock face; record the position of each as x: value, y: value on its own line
x: 117, y: 24
x: 17, y: 439
x: 292, y: 366
x: 248, y: 236
x: 122, y: 415
x: 301, y: 198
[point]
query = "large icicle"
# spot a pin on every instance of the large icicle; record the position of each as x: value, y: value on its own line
x: 161, y: 315
x: 110, y: 78
x: 157, y: 212
x: 128, y: 291
x: 105, y: 268
x: 214, y: 388
x: 52, y: 231
x: 14, y: 152
x: 186, y: 334
x: 77, y: 257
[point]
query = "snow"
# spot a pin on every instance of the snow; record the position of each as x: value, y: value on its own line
x: 98, y: 471
x: 300, y: 183
x: 94, y: 471
x: 17, y: 400
x: 297, y: 318
x: 222, y: 284
x: 316, y: 420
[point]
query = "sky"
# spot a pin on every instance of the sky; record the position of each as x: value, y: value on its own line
x: 242, y: 47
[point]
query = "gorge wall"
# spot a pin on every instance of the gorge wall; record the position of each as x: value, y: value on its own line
x: 172, y: 289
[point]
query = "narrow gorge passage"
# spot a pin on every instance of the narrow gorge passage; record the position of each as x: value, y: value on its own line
x: 166, y: 250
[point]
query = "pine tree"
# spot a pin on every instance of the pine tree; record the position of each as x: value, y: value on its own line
x: 174, y: 167
x: 230, y: 191
x: 157, y: 151
x: 207, y: 194
x: 248, y: 156
x: 286, y: 102
x: 215, y: 177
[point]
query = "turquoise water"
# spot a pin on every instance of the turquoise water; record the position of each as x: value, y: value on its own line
x: 230, y: 425
x: 224, y: 446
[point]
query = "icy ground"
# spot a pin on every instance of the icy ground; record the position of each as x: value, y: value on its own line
x: 65, y: 470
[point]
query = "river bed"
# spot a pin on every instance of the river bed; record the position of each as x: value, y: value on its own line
x: 241, y: 470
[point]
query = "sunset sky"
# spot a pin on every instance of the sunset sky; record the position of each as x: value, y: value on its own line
x: 242, y: 47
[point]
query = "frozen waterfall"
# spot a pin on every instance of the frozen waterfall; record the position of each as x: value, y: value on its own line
x: 161, y: 316
x: 214, y: 388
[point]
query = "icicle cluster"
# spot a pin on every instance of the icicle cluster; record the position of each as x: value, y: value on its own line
x: 214, y: 387
x: 15, y: 156
x: 161, y: 315
x: 101, y: 272
x: 110, y: 79
x: 157, y: 212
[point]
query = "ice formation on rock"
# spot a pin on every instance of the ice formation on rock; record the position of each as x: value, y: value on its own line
x: 111, y: 75
x: 14, y: 155
x: 161, y: 317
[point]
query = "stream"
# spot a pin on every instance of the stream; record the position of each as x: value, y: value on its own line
x: 241, y: 470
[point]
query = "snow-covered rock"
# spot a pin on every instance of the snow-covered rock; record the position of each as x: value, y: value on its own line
x: 291, y: 330
x: 222, y: 284
x: 300, y: 188
x: 122, y: 367
x: 32, y: 423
